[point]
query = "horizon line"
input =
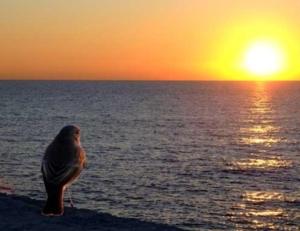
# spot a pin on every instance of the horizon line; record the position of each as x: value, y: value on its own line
x: 154, y: 80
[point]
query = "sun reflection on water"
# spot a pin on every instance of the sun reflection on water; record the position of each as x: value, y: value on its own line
x: 264, y: 216
x: 256, y: 224
x: 256, y: 140
x: 262, y: 196
x: 260, y: 164
x: 268, y: 212
x: 257, y: 219
x: 265, y: 209
x: 260, y: 128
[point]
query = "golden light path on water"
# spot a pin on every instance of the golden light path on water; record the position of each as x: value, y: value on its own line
x: 259, y: 197
x: 262, y: 129
x: 262, y: 133
x: 260, y: 164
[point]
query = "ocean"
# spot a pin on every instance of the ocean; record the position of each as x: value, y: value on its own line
x: 196, y: 155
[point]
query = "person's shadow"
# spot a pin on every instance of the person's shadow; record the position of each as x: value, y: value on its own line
x: 23, y: 213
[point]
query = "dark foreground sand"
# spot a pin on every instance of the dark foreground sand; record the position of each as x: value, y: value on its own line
x: 23, y: 213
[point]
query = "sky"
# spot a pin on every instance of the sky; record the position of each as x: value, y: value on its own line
x: 143, y: 39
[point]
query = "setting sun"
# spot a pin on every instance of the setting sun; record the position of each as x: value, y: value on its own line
x: 263, y: 59
x: 151, y: 40
x: 188, y: 113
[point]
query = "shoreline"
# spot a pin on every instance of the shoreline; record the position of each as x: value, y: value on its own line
x: 24, y: 213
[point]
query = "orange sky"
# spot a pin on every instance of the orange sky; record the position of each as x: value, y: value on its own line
x: 141, y: 39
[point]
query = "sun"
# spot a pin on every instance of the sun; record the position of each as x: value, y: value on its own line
x: 263, y: 59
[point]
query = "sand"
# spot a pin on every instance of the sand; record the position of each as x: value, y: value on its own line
x: 23, y: 213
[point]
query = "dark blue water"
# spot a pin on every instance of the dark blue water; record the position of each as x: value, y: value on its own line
x: 199, y: 155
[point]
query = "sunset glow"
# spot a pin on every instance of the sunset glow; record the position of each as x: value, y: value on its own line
x: 150, y: 40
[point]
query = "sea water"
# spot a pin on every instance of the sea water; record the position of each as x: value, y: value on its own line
x: 197, y: 155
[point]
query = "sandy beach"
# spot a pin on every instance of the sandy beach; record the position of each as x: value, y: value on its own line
x: 23, y: 213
